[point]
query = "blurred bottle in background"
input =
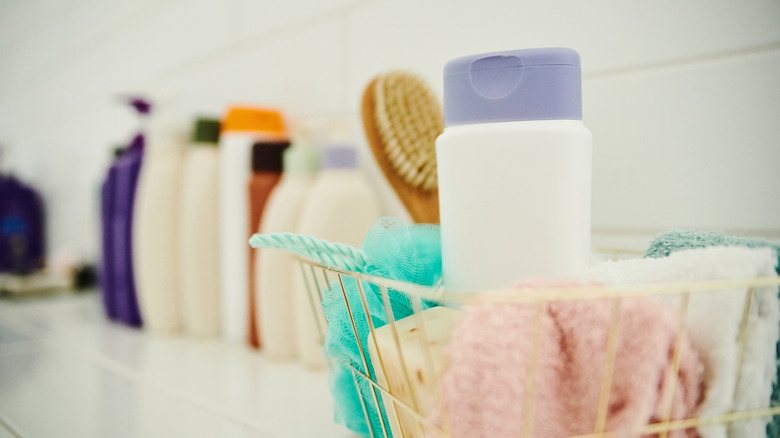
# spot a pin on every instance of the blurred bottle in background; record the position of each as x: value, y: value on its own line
x: 156, y: 229
x: 266, y: 173
x: 105, y: 277
x: 242, y: 127
x: 340, y: 207
x: 276, y: 269
x: 118, y: 201
x: 199, y: 277
x: 22, y: 229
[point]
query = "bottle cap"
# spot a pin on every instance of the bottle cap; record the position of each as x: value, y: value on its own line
x: 302, y: 159
x: 206, y: 131
x: 338, y: 157
x: 267, y: 156
x: 249, y: 119
x: 513, y: 85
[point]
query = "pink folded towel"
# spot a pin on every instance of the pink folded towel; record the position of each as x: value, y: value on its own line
x: 492, y: 352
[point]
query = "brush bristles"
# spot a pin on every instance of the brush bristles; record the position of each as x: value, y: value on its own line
x: 408, y: 118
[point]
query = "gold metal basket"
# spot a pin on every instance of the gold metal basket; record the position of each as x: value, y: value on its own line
x: 413, y: 396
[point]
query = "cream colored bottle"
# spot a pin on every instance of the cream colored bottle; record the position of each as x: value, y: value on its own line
x: 199, y: 232
x: 340, y: 207
x: 275, y: 270
x: 155, y: 232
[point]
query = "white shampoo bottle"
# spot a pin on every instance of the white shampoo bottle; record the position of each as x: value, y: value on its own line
x: 241, y: 128
x: 514, y: 165
x: 340, y: 207
x: 199, y: 232
x: 275, y: 270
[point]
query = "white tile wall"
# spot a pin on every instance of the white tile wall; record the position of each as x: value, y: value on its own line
x: 682, y: 96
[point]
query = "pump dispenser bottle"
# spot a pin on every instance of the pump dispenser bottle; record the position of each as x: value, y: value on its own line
x: 514, y: 165
x: 119, y: 199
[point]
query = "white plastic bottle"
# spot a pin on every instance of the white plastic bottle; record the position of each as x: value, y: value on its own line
x: 275, y: 270
x: 514, y: 165
x: 241, y: 128
x: 155, y: 232
x: 340, y: 207
x: 199, y: 232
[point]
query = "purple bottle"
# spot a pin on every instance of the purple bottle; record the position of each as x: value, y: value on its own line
x: 118, y: 197
x: 21, y: 227
x: 127, y: 169
x: 106, y: 280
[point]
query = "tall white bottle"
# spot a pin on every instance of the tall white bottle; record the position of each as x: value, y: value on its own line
x: 155, y: 232
x: 276, y: 269
x: 199, y: 232
x: 340, y: 207
x: 241, y: 128
x: 514, y: 165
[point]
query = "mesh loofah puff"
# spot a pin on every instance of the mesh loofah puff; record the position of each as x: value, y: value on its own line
x: 410, y: 253
x: 391, y: 250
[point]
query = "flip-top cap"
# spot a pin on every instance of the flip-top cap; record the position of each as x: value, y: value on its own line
x: 513, y: 85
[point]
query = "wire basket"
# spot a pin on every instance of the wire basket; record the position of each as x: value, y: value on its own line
x: 402, y: 362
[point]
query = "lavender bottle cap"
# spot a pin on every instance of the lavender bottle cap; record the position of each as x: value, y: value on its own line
x: 513, y: 85
x: 338, y: 157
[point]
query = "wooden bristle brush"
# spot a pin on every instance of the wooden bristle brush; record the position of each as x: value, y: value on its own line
x: 402, y: 118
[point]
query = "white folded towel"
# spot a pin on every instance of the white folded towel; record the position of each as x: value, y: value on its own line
x: 714, y: 321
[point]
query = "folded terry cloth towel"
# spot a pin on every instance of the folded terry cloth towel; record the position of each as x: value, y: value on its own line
x: 676, y: 240
x: 491, y: 353
x: 714, y: 321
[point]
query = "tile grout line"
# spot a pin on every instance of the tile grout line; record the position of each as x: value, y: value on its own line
x: 686, y: 61
x: 268, y: 36
x: 128, y: 373
x: 6, y: 424
x: 135, y: 376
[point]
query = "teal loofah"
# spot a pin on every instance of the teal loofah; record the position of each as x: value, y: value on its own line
x: 391, y: 250
x: 673, y: 241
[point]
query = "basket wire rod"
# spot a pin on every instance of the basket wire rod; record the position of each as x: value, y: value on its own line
x: 312, y: 304
x: 321, y: 296
x: 671, y: 382
x: 396, y: 340
x: 409, y: 409
x: 533, y: 371
x: 363, y: 357
x: 325, y: 276
x: 688, y: 423
x: 371, y: 329
x: 598, y: 292
x: 743, y: 338
x: 363, y: 403
x: 382, y: 366
x: 433, y: 384
x: 609, y: 366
